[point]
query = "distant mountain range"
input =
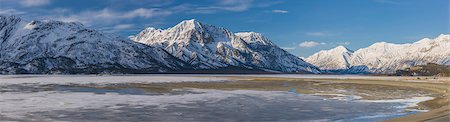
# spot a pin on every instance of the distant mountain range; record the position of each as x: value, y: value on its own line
x: 42, y: 47
x: 48, y: 47
x: 384, y: 58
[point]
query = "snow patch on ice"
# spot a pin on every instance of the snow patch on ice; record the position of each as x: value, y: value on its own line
x: 408, y: 102
x: 17, y: 105
x: 340, y: 96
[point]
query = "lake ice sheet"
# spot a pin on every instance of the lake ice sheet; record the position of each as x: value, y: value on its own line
x: 29, y: 102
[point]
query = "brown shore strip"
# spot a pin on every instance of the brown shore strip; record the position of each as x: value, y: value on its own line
x: 368, y: 89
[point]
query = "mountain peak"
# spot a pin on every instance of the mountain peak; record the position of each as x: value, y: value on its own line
x: 49, y: 24
x: 253, y: 37
x: 336, y: 58
x: 190, y: 20
x: 248, y: 33
x: 443, y: 37
x: 337, y: 50
x: 440, y: 38
x: 341, y: 48
x: 192, y: 23
x: 380, y: 45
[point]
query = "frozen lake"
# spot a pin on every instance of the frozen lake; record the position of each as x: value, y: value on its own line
x: 59, y: 98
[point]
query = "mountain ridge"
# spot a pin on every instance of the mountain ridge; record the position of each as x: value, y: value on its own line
x: 386, y: 58
x: 207, y: 46
x: 49, y: 47
x: 58, y: 47
x: 43, y: 47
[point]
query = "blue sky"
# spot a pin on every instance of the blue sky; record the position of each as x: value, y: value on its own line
x: 302, y: 27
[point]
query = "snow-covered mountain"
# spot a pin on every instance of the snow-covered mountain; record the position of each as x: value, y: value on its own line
x: 336, y: 58
x: 385, y: 57
x: 209, y: 47
x: 53, y: 46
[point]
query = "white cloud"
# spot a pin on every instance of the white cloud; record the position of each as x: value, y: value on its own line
x: 123, y: 26
x: 317, y: 34
x: 310, y: 44
x: 110, y: 13
x: 288, y: 48
x: 220, y: 6
x: 132, y: 3
x: 140, y: 12
x: 235, y: 5
x: 223, y: 6
x: 280, y: 11
x: 31, y: 3
x: 344, y: 43
x: 110, y: 16
x: 118, y: 28
x: 11, y: 12
x: 146, y: 13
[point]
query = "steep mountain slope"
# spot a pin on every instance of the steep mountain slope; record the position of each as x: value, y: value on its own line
x: 267, y: 55
x: 208, y: 47
x: 385, y: 57
x: 53, y: 46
